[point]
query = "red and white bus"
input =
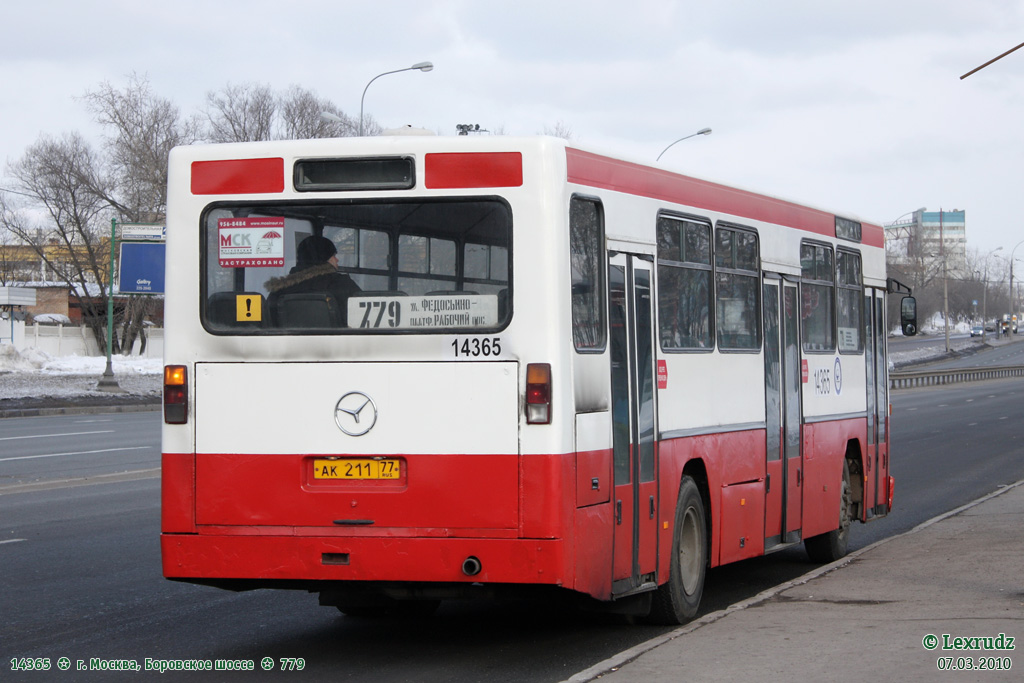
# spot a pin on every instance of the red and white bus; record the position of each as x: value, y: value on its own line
x: 547, y: 368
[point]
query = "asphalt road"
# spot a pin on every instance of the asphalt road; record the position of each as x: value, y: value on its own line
x: 81, y: 570
x: 1006, y: 354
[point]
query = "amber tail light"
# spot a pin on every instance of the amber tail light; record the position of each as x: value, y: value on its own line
x: 175, y: 394
x: 538, y: 393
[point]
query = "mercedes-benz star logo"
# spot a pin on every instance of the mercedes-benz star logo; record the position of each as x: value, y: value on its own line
x: 351, y: 413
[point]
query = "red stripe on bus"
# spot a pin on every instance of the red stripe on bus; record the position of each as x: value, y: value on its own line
x: 594, y: 170
x: 242, y: 556
x: 474, y: 169
x: 238, y: 176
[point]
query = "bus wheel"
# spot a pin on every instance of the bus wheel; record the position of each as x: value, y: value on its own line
x: 832, y: 546
x: 676, y: 601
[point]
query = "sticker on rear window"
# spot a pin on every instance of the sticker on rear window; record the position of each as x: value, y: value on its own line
x: 423, y: 312
x: 250, y: 242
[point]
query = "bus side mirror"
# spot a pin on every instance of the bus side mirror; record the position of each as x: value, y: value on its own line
x: 908, y: 316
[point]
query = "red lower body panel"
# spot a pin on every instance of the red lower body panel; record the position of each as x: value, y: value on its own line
x: 314, y: 558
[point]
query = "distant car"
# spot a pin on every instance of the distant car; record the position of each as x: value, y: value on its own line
x: 977, y: 331
x: 990, y: 327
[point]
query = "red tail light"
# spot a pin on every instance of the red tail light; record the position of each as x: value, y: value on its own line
x: 175, y: 394
x: 538, y: 393
x: 892, y: 490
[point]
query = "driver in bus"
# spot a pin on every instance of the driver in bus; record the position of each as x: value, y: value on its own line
x: 315, y: 270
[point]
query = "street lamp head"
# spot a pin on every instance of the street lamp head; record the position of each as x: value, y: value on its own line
x: 702, y: 131
x: 419, y: 66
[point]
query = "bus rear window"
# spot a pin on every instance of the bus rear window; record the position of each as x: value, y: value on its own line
x: 356, y: 267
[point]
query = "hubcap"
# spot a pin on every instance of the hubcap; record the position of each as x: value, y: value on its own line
x: 690, y: 555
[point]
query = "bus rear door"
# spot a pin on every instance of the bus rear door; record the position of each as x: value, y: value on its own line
x: 783, y: 379
x: 633, y: 418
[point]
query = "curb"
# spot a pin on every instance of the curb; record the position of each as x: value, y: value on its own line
x: 625, y: 657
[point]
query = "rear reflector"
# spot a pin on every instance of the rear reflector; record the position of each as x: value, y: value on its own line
x: 238, y: 176
x: 175, y: 394
x: 538, y: 393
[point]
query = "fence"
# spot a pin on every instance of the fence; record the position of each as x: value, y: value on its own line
x: 72, y: 340
x: 929, y: 378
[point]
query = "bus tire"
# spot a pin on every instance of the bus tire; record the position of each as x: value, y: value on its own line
x: 833, y: 545
x: 677, y: 600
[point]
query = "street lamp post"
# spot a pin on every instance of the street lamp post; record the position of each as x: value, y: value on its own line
x: 945, y: 280
x: 984, y: 295
x: 1012, y: 309
x: 421, y: 66
x: 702, y: 131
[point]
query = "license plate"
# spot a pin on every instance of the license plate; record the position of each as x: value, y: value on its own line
x: 356, y: 468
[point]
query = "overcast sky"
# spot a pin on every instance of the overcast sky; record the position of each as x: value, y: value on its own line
x: 856, y: 107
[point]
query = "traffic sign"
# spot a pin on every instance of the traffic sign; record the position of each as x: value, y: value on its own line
x: 143, y: 231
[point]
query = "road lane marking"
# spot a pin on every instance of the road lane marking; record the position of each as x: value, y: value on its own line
x: 58, y: 455
x: 112, y: 478
x: 46, y: 436
x: 13, y: 540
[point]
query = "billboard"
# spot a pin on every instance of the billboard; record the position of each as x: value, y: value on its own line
x: 141, y: 268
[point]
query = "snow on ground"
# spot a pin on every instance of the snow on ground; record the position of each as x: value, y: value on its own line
x: 33, y: 374
x: 900, y: 359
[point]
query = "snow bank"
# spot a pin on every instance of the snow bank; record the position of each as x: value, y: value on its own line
x: 33, y: 360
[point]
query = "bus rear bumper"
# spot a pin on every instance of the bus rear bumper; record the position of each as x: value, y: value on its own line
x: 273, y: 559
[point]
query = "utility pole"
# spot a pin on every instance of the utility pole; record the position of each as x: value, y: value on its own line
x: 945, y: 279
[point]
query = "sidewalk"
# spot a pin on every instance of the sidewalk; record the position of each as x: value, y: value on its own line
x: 866, y: 617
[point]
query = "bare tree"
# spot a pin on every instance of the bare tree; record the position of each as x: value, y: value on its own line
x: 60, y: 176
x: 140, y: 130
x: 559, y: 130
x: 241, y: 113
x: 300, y: 112
x: 73, y: 192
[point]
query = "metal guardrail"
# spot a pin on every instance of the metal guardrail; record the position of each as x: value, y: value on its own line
x: 913, y: 379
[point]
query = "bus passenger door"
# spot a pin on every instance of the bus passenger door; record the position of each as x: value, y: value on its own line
x: 783, y: 383
x: 634, y: 443
x: 792, y: 385
x: 876, y: 462
x: 774, y: 481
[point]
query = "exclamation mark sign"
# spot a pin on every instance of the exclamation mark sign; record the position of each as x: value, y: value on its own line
x: 248, y: 308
